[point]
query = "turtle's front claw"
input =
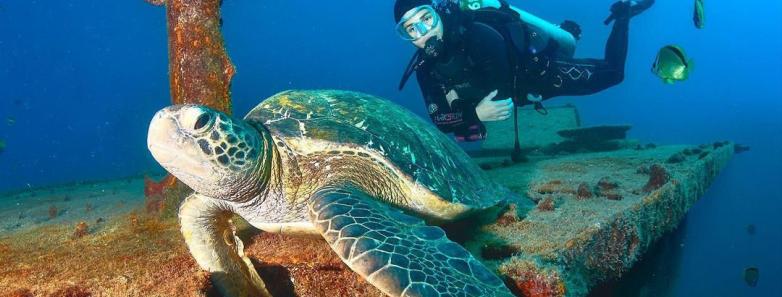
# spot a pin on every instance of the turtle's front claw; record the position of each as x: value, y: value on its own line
x: 214, y: 245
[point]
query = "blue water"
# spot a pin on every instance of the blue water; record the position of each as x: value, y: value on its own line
x: 83, y: 78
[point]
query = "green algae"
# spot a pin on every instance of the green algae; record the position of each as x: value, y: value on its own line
x: 585, y: 241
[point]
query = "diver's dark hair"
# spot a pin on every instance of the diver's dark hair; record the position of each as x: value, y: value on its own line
x: 403, y: 6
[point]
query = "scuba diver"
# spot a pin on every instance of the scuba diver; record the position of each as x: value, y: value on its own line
x: 479, y: 59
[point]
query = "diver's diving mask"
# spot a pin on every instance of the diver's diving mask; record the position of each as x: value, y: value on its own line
x: 422, y: 23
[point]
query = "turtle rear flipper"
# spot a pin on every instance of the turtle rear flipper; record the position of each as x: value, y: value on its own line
x: 212, y: 242
x: 395, y: 252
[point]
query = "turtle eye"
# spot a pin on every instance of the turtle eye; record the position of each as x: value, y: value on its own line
x: 202, y: 121
x: 196, y: 119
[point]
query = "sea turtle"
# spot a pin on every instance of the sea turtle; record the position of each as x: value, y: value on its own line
x: 361, y: 171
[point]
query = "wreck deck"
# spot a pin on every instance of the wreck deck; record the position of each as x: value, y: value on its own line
x: 582, y: 217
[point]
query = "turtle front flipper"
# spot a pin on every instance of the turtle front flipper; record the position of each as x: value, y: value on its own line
x: 211, y: 239
x: 395, y: 252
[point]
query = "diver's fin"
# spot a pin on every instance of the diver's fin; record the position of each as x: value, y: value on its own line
x: 395, y: 252
x: 618, y: 9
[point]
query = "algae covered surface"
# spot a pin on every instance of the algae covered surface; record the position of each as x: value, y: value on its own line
x: 595, y: 214
x: 587, y: 210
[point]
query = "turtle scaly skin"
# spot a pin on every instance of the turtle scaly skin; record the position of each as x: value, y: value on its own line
x: 362, y: 172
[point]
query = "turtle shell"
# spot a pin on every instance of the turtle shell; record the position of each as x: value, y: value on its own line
x: 416, y: 147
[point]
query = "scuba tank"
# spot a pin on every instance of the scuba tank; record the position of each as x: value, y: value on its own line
x: 543, y: 30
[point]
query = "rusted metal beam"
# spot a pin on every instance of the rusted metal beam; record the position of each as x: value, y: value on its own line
x: 200, y: 71
x: 199, y: 68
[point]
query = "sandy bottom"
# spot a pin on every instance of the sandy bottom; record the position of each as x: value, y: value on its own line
x: 94, y: 239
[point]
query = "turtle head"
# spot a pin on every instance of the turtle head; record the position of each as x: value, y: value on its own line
x: 209, y: 151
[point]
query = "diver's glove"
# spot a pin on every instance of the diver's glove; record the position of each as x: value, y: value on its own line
x: 488, y: 110
x: 627, y: 9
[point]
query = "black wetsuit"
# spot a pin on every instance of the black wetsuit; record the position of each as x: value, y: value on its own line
x: 477, y: 62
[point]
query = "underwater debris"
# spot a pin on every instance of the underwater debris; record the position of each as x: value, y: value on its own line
x: 740, y: 148
x: 596, y: 133
x: 53, y: 212
x: 658, y: 176
x: 66, y: 198
x: 82, y: 229
x: 676, y: 158
x: 486, y: 166
x: 88, y: 207
x: 99, y: 220
x: 547, y: 204
x: 589, y: 139
x: 751, y: 276
x: 583, y: 192
x: 720, y: 144
x: 605, y: 184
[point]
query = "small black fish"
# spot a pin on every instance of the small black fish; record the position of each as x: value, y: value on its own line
x: 698, y: 15
x: 751, y: 229
x: 751, y: 276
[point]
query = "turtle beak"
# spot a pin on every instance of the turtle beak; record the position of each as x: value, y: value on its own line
x: 161, y: 137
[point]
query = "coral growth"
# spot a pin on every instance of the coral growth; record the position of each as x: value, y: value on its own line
x: 613, y: 249
x: 547, y: 204
x: 526, y: 279
x: 608, y: 188
x: 152, y: 188
x: 658, y: 176
x: 72, y: 291
x: 510, y: 216
x: 82, y: 229
x: 583, y: 192
x: 550, y: 187
x: 164, y: 199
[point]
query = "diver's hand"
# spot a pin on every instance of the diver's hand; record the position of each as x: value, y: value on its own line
x: 489, y: 110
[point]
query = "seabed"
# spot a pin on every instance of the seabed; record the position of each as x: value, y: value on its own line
x: 592, y: 203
